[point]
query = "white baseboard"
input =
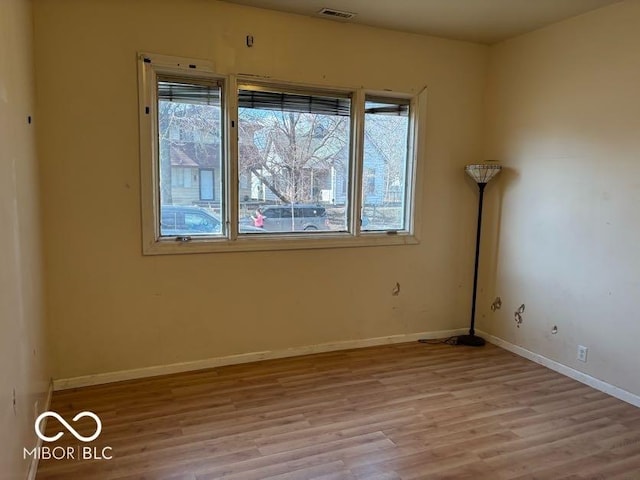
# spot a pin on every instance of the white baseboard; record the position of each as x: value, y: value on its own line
x: 564, y: 370
x: 110, y: 377
x: 101, y: 378
x: 33, y: 466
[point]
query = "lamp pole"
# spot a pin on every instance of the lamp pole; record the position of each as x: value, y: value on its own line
x: 481, y: 174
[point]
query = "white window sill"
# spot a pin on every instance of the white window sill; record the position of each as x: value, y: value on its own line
x: 258, y: 242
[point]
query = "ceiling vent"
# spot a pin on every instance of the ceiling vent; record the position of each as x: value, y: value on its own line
x: 336, y: 14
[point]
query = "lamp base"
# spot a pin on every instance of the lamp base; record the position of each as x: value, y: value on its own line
x: 470, y: 340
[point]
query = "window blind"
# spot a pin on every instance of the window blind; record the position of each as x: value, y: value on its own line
x: 294, y: 102
x: 396, y: 107
x: 200, y: 93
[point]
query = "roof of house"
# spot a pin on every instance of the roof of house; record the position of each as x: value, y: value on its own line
x: 192, y: 154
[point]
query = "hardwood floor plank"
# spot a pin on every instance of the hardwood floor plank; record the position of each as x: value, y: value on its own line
x: 397, y: 412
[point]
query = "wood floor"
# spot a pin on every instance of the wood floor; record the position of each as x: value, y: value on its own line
x: 408, y: 411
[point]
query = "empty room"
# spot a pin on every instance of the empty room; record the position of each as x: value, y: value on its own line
x: 346, y: 239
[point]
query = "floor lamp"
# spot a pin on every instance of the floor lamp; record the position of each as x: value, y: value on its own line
x: 481, y: 174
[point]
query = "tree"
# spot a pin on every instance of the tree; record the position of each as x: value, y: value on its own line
x: 290, y: 153
x: 286, y: 150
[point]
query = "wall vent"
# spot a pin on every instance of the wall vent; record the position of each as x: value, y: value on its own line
x: 336, y: 14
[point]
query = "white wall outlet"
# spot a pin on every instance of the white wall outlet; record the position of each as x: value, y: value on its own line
x: 582, y: 353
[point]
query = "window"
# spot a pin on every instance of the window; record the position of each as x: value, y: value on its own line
x: 295, y: 144
x: 233, y: 165
x: 369, y: 182
x: 189, y: 126
x: 386, y: 163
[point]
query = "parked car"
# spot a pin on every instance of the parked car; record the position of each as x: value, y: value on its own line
x: 179, y: 220
x: 294, y: 217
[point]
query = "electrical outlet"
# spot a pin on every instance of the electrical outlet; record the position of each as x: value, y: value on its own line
x: 582, y: 353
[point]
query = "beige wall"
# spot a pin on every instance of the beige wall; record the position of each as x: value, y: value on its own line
x: 23, y: 368
x: 113, y: 309
x: 563, y: 110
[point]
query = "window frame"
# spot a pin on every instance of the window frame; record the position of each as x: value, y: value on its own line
x: 411, y: 186
x: 150, y: 66
x: 245, y: 83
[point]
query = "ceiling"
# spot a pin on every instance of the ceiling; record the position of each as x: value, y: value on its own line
x: 483, y: 21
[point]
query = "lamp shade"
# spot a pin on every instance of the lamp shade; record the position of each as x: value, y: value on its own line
x: 482, y: 173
